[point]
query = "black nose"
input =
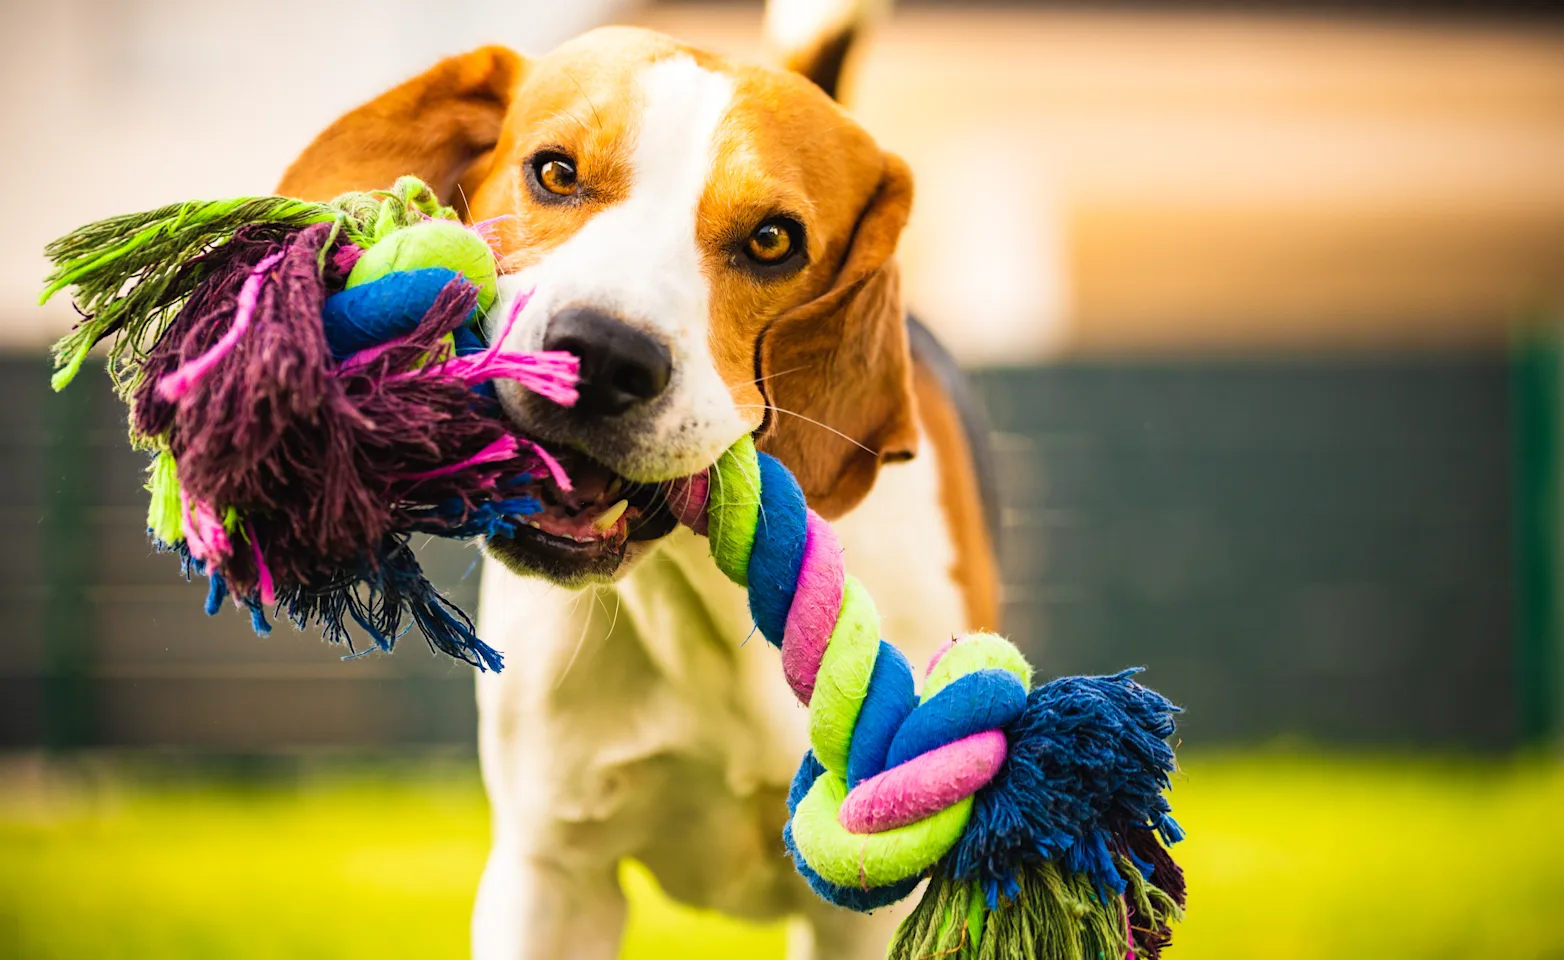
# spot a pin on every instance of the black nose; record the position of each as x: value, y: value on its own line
x: 620, y: 365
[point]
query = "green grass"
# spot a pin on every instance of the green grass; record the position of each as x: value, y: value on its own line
x: 1289, y: 856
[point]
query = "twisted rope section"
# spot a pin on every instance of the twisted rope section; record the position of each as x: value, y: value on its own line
x: 887, y: 788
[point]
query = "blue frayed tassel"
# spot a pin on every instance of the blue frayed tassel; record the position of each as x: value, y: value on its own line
x: 1087, y: 759
x: 491, y: 518
x: 258, y: 621
x: 216, y: 592
x: 385, y: 600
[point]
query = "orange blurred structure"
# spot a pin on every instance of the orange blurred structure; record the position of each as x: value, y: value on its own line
x: 1190, y: 181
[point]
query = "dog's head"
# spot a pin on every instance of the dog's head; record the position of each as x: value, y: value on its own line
x: 713, y: 240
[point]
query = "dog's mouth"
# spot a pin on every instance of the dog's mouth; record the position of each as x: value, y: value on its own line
x: 584, y: 533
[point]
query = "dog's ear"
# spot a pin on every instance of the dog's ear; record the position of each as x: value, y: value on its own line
x: 837, y: 369
x: 439, y: 126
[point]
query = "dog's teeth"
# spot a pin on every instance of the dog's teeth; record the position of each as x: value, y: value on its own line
x: 613, y: 487
x: 610, y: 516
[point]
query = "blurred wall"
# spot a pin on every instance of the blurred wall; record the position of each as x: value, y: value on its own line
x: 1199, y: 260
x: 1088, y: 181
x: 1134, y: 180
x: 120, y: 105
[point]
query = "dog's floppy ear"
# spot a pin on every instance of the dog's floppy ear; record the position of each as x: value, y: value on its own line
x: 837, y: 369
x: 436, y: 126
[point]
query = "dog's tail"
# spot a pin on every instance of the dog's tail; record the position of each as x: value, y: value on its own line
x: 814, y: 37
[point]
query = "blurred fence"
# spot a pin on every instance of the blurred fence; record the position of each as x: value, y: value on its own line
x: 104, y: 644
x: 1309, y: 547
x: 1319, y: 548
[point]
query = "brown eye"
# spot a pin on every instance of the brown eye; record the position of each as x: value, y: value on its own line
x: 557, y: 175
x: 772, y: 242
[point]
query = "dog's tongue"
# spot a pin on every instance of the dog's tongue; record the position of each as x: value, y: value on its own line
x: 591, y: 511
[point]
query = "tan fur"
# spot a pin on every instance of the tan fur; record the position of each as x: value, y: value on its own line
x: 433, y: 126
x: 975, y: 567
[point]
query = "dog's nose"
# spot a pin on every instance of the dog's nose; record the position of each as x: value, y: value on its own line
x: 620, y: 365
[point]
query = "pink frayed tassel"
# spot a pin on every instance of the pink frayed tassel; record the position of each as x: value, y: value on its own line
x: 516, y: 306
x: 263, y: 573
x: 346, y: 257
x: 204, y: 533
x: 178, y: 383
x: 364, y: 356
x: 555, y: 470
x: 502, y: 449
x: 550, y: 374
x: 487, y: 229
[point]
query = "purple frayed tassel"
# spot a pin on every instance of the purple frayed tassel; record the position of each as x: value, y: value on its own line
x: 177, y: 384
x: 329, y: 463
x: 326, y: 469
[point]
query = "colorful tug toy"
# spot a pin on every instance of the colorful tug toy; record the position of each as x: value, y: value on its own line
x: 313, y: 383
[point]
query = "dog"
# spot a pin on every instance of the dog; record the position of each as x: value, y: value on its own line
x: 715, y: 241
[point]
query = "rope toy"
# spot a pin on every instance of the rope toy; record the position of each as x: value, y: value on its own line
x: 312, y: 385
x: 1037, y: 813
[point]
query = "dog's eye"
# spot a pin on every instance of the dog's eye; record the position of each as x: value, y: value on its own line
x: 556, y: 173
x: 773, y: 241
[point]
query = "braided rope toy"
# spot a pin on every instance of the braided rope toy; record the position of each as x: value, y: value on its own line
x: 294, y: 366
x: 1036, y: 813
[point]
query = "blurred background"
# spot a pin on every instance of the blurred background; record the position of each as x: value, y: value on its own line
x: 1261, y: 299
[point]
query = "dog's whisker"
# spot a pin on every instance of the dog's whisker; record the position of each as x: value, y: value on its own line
x: 824, y: 426
x: 773, y: 376
x: 586, y: 624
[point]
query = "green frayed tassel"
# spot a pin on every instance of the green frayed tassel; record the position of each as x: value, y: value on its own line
x: 370, y: 216
x: 1053, y: 917
x: 164, y: 516
x: 129, y: 273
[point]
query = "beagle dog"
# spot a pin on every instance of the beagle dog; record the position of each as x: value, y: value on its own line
x: 714, y: 240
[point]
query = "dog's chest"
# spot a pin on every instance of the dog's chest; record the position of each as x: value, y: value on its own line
x: 649, y: 719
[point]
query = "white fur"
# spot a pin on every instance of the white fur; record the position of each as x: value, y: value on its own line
x: 639, y: 260
x: 792, y: 25
x: 648, y: 720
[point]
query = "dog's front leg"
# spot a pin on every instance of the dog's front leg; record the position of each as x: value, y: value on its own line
x: 558, y: 737
x: 530, y: 908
